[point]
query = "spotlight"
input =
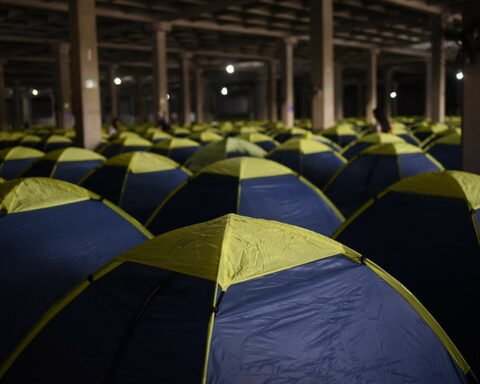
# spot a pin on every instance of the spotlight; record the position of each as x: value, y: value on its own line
x: 34, y: 92
x: 168, y: 96
x: 459, y: 75
x: 393, y: 95
x: 117, y: 81
x: 224, y: 91
x: 230, y: 68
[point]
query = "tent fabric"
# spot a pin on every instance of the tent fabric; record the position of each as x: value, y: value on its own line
x: 10, y: 139
x: 68, y: 164
x: 136, y: 181
x: 205, y: 137
x: 16, y: 159
x: 124, y: 145
x: 322, y: 139
x: 230, y: 147
x: 180, y: 132
x: 314, y: 160
x: 263, y: 141
x: 177, y: 149
x: 433, y: 221
x: 267, y: 283
x: 31, y: 141
x: 288, y: 133
x: 439, y: 135
x: 373, y: 170
x: 156, y: 135
x: 423, y: 132
x: 55, y: 142
x: 251, y: 187
x: 40, y: 268
x: 446, y: 150
x: 342, y: 134
x: 366, y: 141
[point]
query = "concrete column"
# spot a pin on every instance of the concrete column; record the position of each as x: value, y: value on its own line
x: 371, y: 103
x: 199, y: 95
x: 321, y: 64
x: 261, y: 95
x: 63, y: 94
x: 438, y: 72
x: 113, y: 91
x: 85, y: 78
x: 186, y: 104
x: 140, y: 103
x: 387, y: 89
x: 272, y: 91
x: 471, y: 96
x: 25, y: 105
x: 3, y: 105
x: 160, y: 82
x: 17, y: 97
x: 338, y: 91
x: 288, y: 103
x: 428, y: 89
x: 360, y: 99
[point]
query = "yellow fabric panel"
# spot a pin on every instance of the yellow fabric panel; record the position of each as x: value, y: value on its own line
x: 142, y: 162
x: 391, y: 149
x: 247, y: 168
x: 33, y: 193
x: 180, y: 131
x: 11, y: 136
x: 132, y: 141
x: 73, y: 154
x: 434, y: 128
x: 18, y: 153
x: 175, y: 143
x: 233, y: 248
x: 380, y: 138
x: 248, y: 129
x: 125, y: 134
x: 58, y: 139
x: 305, y: 146
x: 206, y: 136
x: 423, y: 312
x: 256, y: 137
x: 2, y: 180
x: 451, y: 139
x: 156, y: 134
x: 341, y: 129
x: 30, y: 139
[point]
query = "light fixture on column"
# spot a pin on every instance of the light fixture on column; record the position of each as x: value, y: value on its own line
x: 168, y: 96
x: 117, y: 81
x: 393, y: 95
x: 34, y: 92
x: 459, y: 75
x: 230, y: 68
x: 224, y: 91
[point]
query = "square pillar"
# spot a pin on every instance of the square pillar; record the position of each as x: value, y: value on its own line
x: 371, y: 85
x: 63, y: 94
x: 186, y: 104
x: 3, y: 105
x: 288, y: 103
x: 387, y: 89
x: 338, y: 91
x: 321, y: 64
x: 140, y: 103
x: 272, y: 91
x: 261, y: 95
x: 160, y: 69
x: 85, y: 78
x: 199, y: 95
x: 113, y: 90
x: 438, y: 72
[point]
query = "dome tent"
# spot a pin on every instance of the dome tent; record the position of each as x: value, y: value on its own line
x: 68, y: 164
x: 342, y: 134
x: 322, y: 139
x: 10, y: 139
x: 16, y: 159
x: 263, y: 141
x: 136, y: 181
x: 205, y: 137
x: 55, y: 142
x: 31, y: 141
x: 124, y: 145
x: 433, y: 220
x: 374, y: 169
x: 251, y: 187
x: 425, y: 130
x: 219, y: 150
x: 447, y: 150
x: 357, y: 146
x: 53, y: 234
x: 285, y: 134
x: 178, y: 149
x: 238, y: 300
x: 315, y: 161
x: 406, y: 135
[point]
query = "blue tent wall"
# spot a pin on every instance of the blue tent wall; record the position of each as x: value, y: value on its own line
x: 109, y: 190
x: 180, y: 155
x: 9, y: 169
x: 71, y: 171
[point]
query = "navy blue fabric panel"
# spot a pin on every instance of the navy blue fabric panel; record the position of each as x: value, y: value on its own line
x: 361, y: 180
x: 342, y: 140
x: 40, y: 168
x: 282, y: 137
x: 291, y: 159
x: 116, y: 149
x: 12, y: 168
x: 133, y: 149
x: 287, y: 199
x: 180, y: 155
x: 430, y: 245
x: 74, y: 171
x: 448, y: 155
x: 54, y: 146
x: 356, y: 149
x: 320, y: 167
x: 107, y: 181
x: 145, y: 191
x: 266, y: 145
x: 422, y: 135
x: 80, y: 344
x: 47, y: 252
x: 414, y: 163
x: 330, y: 321
x: 7, y: 144
x: 409, y: 139
x: 31, y: 144
x: 237, y: 154
x: 204, y: 198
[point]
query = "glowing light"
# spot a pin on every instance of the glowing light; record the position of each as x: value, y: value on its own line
x: 393, y: 95
x: 224, y: 91
x: 230, y: 68
x: 459, y: 75
x: 168, y: 96
x: 117, y: 81
x: 34, y: 92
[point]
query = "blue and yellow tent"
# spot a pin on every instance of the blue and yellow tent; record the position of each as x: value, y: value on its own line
x: 31, y: 141
x: 447, y: 150
x: 230, y: 147
x: 424, y: 130
x: 178, y: 149
x: 285, y: 134
x: 373, y: 170
x: 342, y: 134
x: 357, y: 146
x: 10, y: 139
x: 68, y: 164
x: 405, y: 134
x: 436, y: 136
x: 155, y: 135
x: 53, y: 234
x: 263, y: 141
x: 16, y: 159
x: 205, y: 137
x: 321, y: 139
x: 237, y: 300
x: 425, y: 231
x: 180, y: 131
x: 55, y: 142
x: 124, y: 145
x: 136, y: 181
x: 314, y: 160
x: 251, y: 187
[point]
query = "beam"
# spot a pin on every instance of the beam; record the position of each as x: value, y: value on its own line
x: 213, y: 6
x: 415, y: 5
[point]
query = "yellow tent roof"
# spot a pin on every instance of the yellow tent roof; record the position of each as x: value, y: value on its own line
x: 306, y: 146
x: 341, y: 129
x: 176, y: 142
x: 391, y: 149
x: 58, y: 139
x: 247, y: 168
x: 18, y: 153
x: 256, y: 137
x: 72, y: 154
x: 143, y: 162
x: 132, y: 141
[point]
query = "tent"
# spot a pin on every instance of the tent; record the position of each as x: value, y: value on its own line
x: 312, y: 159
x: 180, y: 131
x: 205, y: 137
x: 373, y: 170
x: 9, y: 139
x: 124, y: 145
x: 251, y: 187
x: 447, y: 150
x: 425, y: 130
x: 285, y: 134
x: 424, y: 231
x: 342, y: 134
x: 53, y: 235
x: 322, y: 139
x: 436, y: 136
x: 68, y: 164
x: 405, y: 134
x: 177, y: 149
x: 16, y: 159
x: 230, y: 147
x: 55, y: 142
x: 156, y: 135
x: 238, y: 300
x: 357, y: 146
x: 31, y: 141
x: 136, y: 181
x: 263, y: 141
